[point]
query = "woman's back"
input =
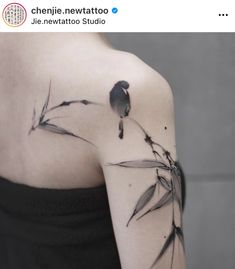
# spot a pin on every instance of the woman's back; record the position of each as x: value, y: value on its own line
x: 78, y: 67
x: 78, y: 114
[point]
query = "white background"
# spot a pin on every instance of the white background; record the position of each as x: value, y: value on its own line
x: 135, y: 16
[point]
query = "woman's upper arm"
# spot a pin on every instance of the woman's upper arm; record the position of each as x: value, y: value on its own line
x: 138, y: 158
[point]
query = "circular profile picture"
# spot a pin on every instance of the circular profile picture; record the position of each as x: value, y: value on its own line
x: 14, y: 14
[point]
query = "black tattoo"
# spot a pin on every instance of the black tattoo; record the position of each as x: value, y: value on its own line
x: 45, y: 124
x: 68, y: 103
x: 162, y: 161
x: 120, y: 103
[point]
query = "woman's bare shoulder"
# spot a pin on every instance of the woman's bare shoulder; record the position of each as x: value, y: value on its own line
x: 94, y: 84
x: 144, y: 81
x: 139, y: 92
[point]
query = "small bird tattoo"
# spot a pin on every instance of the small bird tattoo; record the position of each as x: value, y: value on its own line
x: 120, y: 102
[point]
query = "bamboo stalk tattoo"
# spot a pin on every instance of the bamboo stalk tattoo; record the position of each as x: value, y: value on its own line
x: 120, y: 103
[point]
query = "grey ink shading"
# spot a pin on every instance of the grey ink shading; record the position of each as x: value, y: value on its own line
x: 44, y: 122
x: 144, y: 163
x: 164, y: 201
x: 143, y: 200
x: 162, y: 161
x: 68, y: 103
x: 175, y: 232
x: 120, y: 102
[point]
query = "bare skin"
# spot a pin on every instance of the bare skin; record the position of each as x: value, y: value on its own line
x: 80, y: 66
x: 76, y: 64
x: 73, y: 67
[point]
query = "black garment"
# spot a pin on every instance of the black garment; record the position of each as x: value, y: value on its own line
x: 55, y: 229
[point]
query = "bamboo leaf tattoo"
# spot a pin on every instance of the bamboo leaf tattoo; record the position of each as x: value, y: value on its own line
x: 120, y: 104
x: 145, y: 163
x: 46, y: 125
x: 165, y: 183
x: 164, y: 201
x: 59, y: 130
x: 44, y: 109
x: 170, y: 239
x: 143, y: 200
x: 177, y: 182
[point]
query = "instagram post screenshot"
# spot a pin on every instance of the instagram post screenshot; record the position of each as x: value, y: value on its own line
x: 117, y: 134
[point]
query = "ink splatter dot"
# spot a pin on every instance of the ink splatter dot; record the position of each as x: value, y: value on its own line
x: 165, y: 128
